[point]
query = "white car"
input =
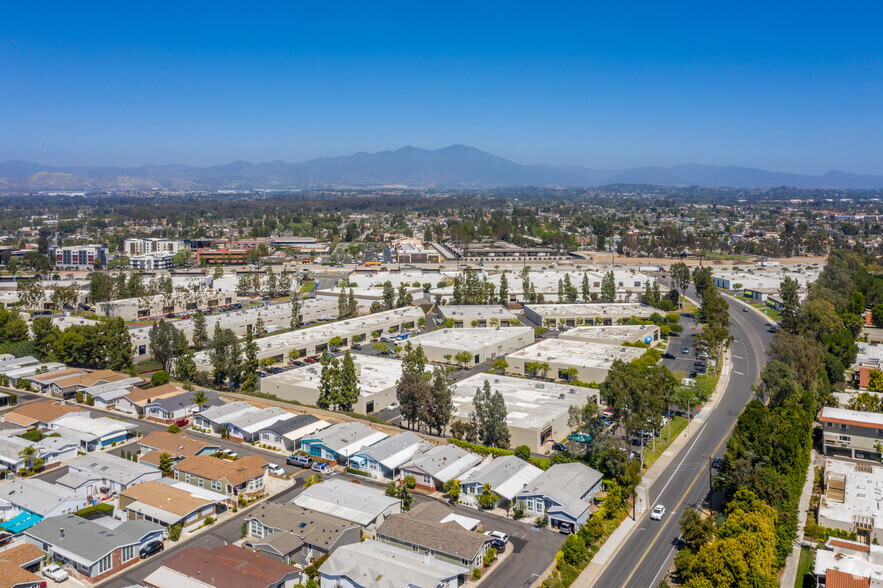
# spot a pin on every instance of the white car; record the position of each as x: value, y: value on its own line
x: 55, y: 572
x: 658, y: 512
x: 498, y: 535
x: 276, y: 470
x: 393, y: 406
x: 229, y: 453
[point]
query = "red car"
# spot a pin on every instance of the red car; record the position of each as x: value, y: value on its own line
x: 182, y: 423
x: 309, y: 360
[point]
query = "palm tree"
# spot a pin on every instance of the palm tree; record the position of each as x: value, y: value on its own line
x: 199, y: 399
x: 28, y: 453
x: 865, y: 402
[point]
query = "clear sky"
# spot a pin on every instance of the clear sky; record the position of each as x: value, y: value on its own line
x: 789, y: 86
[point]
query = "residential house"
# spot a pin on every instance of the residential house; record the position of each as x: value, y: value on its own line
x: 42, y: 382
x: 438, y: 465
x: 506, y: 476
x: 90, y: 548
x: 383, y: 459
x: 339, y: 442
x: 224, y: 566
x: 67, y: 388
x: 40, y: 414
x: 166, y: 505
x: 298, y: 535
x: 247, y: 426
x: 244, y: 476
x: 23, y: 374
x: 448, y: 542
x: 851, y: 433
x: 101, y: 473
x: 170, y: 408
x: 92, y: 433
x: 564, y: 492
x: 178, y: 445
x: 27, y: 501
x: 107, y: 395
x: 52, y: 450
x: 365, y: 505
x: 19, y: 566
x: 284, y: 435
x: 848, y: 564
x: 372, y: 564
x: 213, y: 420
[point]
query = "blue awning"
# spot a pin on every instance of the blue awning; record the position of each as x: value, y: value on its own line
x: 26, y: 524
x: 22, y: 516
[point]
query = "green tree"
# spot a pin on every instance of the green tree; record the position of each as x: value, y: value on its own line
x: 159, y: 378
x: 329, y: 383
x: 200, y: 399
x: 452, y: 489
x: 585, y: 290
x: 441, y: 403
x: 116, y: 345
x: 790, y: 303
x: 348, y: 384
x: 463, y: 358
x: 490, y: 412
x: 166, y: 464
x: 295, y: 320
x: 412, y: 394
x: 185, y: 367
x: 608, y: 287
x: 200, y: 331
x: 414, y: 359
x: 163, y: 343
x: 504, y: 290
x: 388, y: 296
x: 251, y: 366
x: 487, y: 499
x: 696, y: 529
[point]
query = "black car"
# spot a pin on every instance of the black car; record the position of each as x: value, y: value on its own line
x: 559, y: 447
x: 498, y: 544
x: 356, y: 347
x: 699, y: 364
x: 151, y: 548
x: 668, y: 355
x: 298, y: 363
x: 275, y: 370
x: 716, y: 463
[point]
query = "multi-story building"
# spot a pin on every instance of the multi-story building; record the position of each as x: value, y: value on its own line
x: 151, y: 245
x: 222, y: 256
x: 84, y: 257
x: 851, y: 433
x: 158, y: 260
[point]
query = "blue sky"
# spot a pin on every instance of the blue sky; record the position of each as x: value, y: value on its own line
x: 791, y: 86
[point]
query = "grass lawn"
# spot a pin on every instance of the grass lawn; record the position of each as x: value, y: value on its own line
x: 307, y: 287
x: 677, y: 424
x: 691, y: 308
x: 771, y: 312
x: 804, y: 569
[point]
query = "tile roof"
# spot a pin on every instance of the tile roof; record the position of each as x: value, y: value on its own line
x: 91, y: 378
x: 838, y: 579
x: 175, y: 444
x: 43, y: 412
x: 140, y: 396
x: 229, y: 566
x: 214, y: 468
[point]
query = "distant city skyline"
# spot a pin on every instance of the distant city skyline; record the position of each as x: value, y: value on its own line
x: 783, y: 88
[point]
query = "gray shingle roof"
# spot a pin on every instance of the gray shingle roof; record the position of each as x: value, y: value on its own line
x: 449, y: 538
x: 86, y: 539
x: 566, y: 484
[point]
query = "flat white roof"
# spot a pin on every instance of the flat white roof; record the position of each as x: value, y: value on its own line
x: 476, y: 311
x: 592, y: 310
x: 863, y: 496
x: 614, y: 334
x: 577, y: 353
x: 470, y: 339
x: 376, y: 374
x: 529, y: 404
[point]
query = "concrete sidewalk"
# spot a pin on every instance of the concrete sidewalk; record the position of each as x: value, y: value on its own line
x: 599, y: 563
x: 789, y: 576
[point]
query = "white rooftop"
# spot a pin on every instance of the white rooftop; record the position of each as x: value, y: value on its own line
x: 529, y: 404
x: 614, y: 334
x: 470, y: 339
x: 863, y: 495
x: 577, y: 353
x: 592, y: 310
x: 376, y: 374
x: 476, y: 311
x: 359, y: 503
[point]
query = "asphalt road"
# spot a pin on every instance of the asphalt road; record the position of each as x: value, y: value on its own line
x: 646, y: 556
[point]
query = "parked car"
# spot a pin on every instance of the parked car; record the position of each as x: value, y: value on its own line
x: 356, y: 347
x: 498, y: 544
x: 276, y: 469
x: 566, y: 528
x: 394, y: 406
x: 182, y: 423
x: 229, y: 453
x: 668, y: 355
x: 318, y: 466
x: 745, y: 309
x: 309, y: 360
x: 716, y: 463
x: 580, y: 438
x: 297, y: 459
x: 275, y: 370
x: 559, y: 447
x: 54, y: 572
x: 685, y: 350
x: 298, y: 363
x: 658, y: 512
x: 151, y: 548
x: 499, y: 535
x: 699, y: 364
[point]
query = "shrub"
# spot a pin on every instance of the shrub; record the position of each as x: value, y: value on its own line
x: 476, y: 573
x: 356, y: 472
x: 174, y: 429
x: 79, y: 397
x: 209, y: 521
x: 95, y: 511
x: 159, y: 378
x: 175, y: 532
x: 489, y: 557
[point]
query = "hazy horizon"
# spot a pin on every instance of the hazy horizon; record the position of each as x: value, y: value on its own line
x: 610, y: 87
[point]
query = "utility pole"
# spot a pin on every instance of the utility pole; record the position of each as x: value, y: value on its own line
x: 710, y: 459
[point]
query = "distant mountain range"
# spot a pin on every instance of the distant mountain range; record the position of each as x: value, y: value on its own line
x: 457, y: 166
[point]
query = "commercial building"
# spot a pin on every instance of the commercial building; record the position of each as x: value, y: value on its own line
x: 79, y: 257
x: 371, y: 564
x: 412, y: 252
x: 564, y: 493
x: 362, y: 504
x: 315, y: 340
x: 536, y: 412
x: 851, y: 433
x: 851, y: 499
x: 555, y: 358
x: 90, y: 548
x: 377, y: 383
x: 224, y: 566
x: 222, y: 256
x: 297, y: 535
x: 478, y: 315
x: 613, y: 335
x: 443, y: 345
x: 594, y: 314
x: 161, y: 305
x: 151, y: 261
x: 137, y: 246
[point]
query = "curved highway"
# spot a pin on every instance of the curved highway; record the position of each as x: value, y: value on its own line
x: 643, y: 559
